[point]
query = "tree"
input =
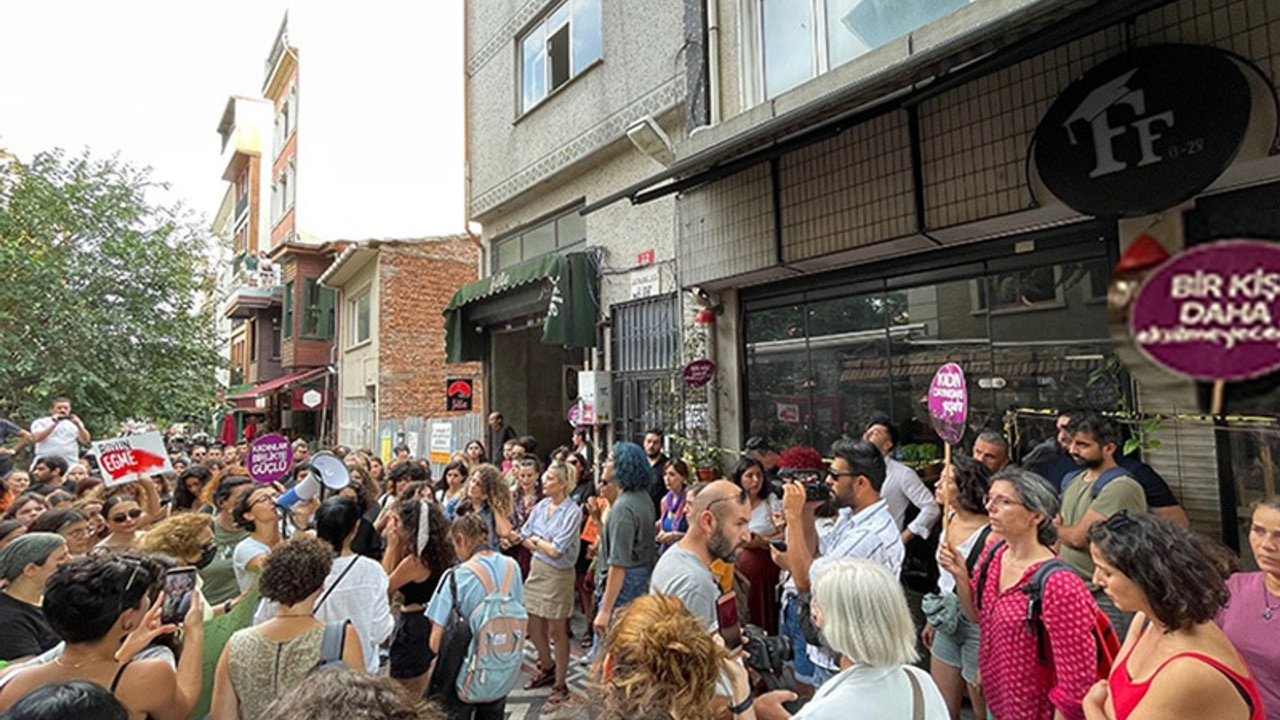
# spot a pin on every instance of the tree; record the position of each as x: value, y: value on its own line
x: 98, y: 291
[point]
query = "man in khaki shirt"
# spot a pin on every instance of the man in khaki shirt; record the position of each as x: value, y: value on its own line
x: 1100, y: 490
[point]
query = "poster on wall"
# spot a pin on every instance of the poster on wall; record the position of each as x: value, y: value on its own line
x: 441, y: 443
x: 132, y: 457
x: 459, y: 393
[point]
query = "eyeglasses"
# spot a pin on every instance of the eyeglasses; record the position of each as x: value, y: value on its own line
x: 832, y: 472
x: 999, y: 501
x: 264, y: 499
x: 133, y: 514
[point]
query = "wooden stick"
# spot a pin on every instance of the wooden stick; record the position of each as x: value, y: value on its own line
x: 1219, y: 389
x: 946, y: 507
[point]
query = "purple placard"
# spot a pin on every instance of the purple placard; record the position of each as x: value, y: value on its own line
x: 948, y: 403
x: 1213, y: 312
x: 699, y: 372
x: 270, y: 458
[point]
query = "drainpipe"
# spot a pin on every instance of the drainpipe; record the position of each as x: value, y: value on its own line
x: 713, y: 61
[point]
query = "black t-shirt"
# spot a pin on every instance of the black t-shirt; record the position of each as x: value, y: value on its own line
x: 25, y: 631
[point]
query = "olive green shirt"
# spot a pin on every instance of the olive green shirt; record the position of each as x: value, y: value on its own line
x: 1122, y: 493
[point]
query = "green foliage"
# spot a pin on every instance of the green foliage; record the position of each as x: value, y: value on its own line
x: 98, y: 295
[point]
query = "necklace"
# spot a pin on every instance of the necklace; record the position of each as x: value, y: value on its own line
x: 75, y: 666
x: 1267, y: 607
x: 285, y: 615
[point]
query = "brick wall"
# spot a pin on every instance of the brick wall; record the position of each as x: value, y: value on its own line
x: 416, y: 282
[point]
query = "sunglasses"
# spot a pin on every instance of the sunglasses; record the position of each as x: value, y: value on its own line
x: 133, y: 514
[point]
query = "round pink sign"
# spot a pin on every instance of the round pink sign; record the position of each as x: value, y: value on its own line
x: 1213, y: 312
x: 270, y: 458
x: 948, y: 403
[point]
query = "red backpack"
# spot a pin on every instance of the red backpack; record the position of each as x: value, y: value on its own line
x: 1104, y: 636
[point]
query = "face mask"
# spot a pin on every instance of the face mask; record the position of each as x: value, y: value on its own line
x: 207, y: 554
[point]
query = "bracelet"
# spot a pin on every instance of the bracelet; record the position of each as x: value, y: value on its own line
x: 745, y: 705
x: 226, y: 607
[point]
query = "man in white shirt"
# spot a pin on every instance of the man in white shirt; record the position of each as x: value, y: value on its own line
x: 60, y: 434
x: 864, y: 529
x: 902, y: 486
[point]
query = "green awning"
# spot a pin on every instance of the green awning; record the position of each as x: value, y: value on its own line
x: 572, y: 309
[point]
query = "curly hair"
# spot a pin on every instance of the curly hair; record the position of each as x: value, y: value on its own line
x: 973, y: 480
x: 177, y: 536
x: 184, y: 499
x: 365, y: 488
x: 497, y: 492
x: 438, y: 553
x: 86, y: 595
x: 295, y: 570
x: 342, y: 694
x: 1182, y: 574
x: 801, y: 457
x: 664, y: 664
x: 630, y: 466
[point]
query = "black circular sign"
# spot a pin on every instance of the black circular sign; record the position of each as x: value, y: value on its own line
x: 1144, y: 131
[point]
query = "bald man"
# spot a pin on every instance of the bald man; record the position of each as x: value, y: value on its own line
x: 719, y: 520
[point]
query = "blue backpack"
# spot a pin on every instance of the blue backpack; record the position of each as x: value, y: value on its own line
x: 498, y: 630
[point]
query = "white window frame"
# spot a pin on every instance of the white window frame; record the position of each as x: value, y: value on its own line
x: 541, y: 24
x: 353, y: 309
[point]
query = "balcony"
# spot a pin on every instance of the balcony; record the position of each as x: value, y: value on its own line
x: 252, y: 291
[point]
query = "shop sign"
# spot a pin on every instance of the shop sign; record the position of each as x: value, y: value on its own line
x: 948, y: 403
x: 132, y: 457
x: 575, y: 414
x: 1213, y: 312
x: 646, y: 283
x: 1144, y: 131
x: 312, y: 398
x: 788, y: 412
x: 459, y: 392
x: 270, y: 458
x: 699, y: 372
x: 441, y: 443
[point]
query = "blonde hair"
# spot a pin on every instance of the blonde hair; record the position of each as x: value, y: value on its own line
x: 177, y: 536
x: 662, y: 661
x: 864, y: 613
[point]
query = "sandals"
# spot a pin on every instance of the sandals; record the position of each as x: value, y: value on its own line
x: 542, y: 679
x: 559, y: 694
x: 587, y: 642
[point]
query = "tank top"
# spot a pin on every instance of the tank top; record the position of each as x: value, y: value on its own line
x: 1126, y: 694
x: 262, y: 670
x: 419, y: 593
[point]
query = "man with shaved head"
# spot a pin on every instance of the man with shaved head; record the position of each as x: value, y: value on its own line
x: 719, y: 520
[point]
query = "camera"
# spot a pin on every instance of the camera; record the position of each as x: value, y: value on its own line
x: 814, y: 482
x: 768, y: 655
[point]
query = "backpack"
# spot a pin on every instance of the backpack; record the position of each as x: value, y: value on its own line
x: 331, y: 646
x: 496, y: 652
x: 1103, y: 480
x: 1105, y: 640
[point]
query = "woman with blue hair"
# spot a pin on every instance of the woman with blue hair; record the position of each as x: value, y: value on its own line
x: 628, y: 548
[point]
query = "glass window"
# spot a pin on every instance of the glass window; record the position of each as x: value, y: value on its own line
x: 560, y: 233
x: 360, y: 320
x: 288, y: 310
x: 558, y: 48
x: 788, y: 44
x: 571, y: 230
x: 317, y: 310
x: 540, y: 240
x: 508, y: 252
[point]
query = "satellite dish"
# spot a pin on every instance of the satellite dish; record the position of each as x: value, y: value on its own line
x: 331, y: 471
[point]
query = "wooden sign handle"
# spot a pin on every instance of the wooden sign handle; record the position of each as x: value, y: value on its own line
x: 946, y: 507
x: 1219, y: 390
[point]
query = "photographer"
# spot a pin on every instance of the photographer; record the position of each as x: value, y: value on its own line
x: 60, y: 433
x: 864, y: 529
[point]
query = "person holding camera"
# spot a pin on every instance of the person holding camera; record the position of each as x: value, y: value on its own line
x: 864, y: 529
x: 59, y: 434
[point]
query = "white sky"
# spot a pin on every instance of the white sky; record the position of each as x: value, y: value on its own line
x: 149, y: 79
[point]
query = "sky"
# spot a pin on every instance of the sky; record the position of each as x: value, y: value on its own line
x: 149, y: 79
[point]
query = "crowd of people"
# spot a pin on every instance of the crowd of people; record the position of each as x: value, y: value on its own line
x: 1064, y: 586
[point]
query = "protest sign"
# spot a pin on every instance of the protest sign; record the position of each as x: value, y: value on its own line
x: 132, y: 457
x: 270, y: 458
x: 948, y: 403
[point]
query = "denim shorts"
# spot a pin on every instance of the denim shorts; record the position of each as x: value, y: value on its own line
x: 789, y: 626
x: 959, y: 649
x: 634, y: 584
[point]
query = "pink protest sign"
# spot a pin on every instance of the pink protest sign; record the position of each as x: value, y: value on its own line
x: 699, y: 372
x: 1213, y: 312
x: 270, y: 458
x: 948, y: 403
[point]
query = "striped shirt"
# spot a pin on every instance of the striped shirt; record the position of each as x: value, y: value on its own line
x: 560, y: 527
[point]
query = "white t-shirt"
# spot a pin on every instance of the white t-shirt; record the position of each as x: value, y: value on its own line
x: 361, y: 597
x: 874, y: 694
x: 63, y: 442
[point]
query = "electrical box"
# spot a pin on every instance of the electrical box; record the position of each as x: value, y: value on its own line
x: 595, y: 392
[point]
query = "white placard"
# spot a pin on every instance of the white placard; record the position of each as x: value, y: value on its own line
x: 646, y: 283
x: 132, y: 457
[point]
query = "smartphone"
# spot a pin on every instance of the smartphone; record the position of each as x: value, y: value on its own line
x: 727, y: 614
x: 179, y: 587
x: 779, y: 545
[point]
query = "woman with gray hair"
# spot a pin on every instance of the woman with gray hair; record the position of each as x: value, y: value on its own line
x: 863, y: 615
x: 1021, y: 507
x: 25, y: 566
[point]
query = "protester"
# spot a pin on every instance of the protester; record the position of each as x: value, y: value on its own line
x: 673, y: 521
x: 862, y: 612
x: 10, y: 530
x: 453, y: 488
x: 418, y: 552
x: 1249, y: 616
x: 71, y: 524
x: 263, y: 662
x: 526, y: 494
x: 49, y: 473
x: 124, y: 519
x: 582, y: 446
x: 356, y: 589
x: 550, y: 535
x: 9, y: 430
x: 754, y: 561
x: 376, y: 470
x: 992, y: 450
x: 26, y: 564
x: 93, y: 603
x: 1174, y: 581
x: 952, y: 638
x: 500, y: 433
x: 470, y: 536
x: 627, y: 550
x: 658, y: 662
x: 257, y: 513
x: 364, y: 492
x: 65, y: 700
x: 60, y: 500
x: 189, y: 489
x: 219, y: 576
x: 26, y: 508
x: 490, y: 496
x: 902, y: 486
x: 338, y: 694
x: 1021, y: 507
x: 60, y: 433
x: 17, y: 482
x: 652, y: 445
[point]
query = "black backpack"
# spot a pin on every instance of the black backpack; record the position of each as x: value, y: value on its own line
x: 455, y: 644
